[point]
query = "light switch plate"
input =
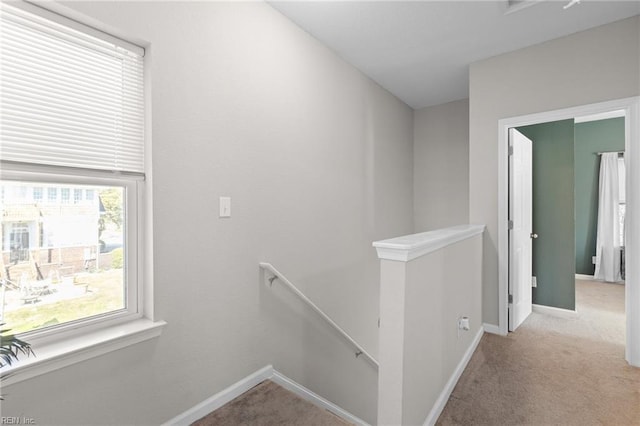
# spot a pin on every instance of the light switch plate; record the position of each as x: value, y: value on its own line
x: 225, y: 206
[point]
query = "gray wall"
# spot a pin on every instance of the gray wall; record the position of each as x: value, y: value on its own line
x: 553, y: 213
x: 318, y: 162
x: 590, y: 138
x: 591, y: 66
x: 441, y: 166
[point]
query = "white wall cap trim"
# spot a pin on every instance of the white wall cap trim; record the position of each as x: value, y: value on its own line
x: 52, y: 356
x: 412, y: 246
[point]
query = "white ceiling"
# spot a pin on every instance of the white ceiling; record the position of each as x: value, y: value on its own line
x: 421, y: 50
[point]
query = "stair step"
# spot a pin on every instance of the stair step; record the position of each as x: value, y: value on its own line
x: 270, y: 404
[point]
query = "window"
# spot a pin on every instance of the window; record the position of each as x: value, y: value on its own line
x: 74, y: 269
x: 77, y: 196
x: 65, y: 195
x: 622, y: 194
x: 18, y: 244
x: 71, y: 115
x: 37, y: 194
x: 52, y: 195
x: 21, y: 193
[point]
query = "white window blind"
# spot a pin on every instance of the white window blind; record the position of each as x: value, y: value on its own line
x: 68, y: 98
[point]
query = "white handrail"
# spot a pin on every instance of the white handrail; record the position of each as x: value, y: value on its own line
x: 277, y: 275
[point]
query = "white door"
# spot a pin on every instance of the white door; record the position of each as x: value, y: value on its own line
x: 521, y: 223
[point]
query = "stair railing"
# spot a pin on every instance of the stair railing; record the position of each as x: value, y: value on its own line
x: 359, y: 350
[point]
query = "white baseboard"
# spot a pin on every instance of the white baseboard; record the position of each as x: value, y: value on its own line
x: 592, y: 278
x: 584, y: 277
x: 218, y: 400
x: 314, y: 398
x: 493, y: 329
x: 554, y: 312
x: 235, y: 390
x: 453, y: 380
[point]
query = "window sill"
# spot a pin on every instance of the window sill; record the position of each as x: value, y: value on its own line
x: 55, y: 355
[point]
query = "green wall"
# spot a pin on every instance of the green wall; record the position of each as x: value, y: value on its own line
x: 590, y: 138
x: 553, y: 212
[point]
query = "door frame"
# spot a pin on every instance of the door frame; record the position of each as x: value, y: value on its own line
x: 631, y: 107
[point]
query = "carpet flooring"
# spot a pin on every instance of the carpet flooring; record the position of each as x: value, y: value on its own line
x: 553, y: 371
x: 269, y: 404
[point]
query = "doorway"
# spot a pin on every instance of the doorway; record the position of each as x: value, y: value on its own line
x: 566, y: 195
x: 632, y: 149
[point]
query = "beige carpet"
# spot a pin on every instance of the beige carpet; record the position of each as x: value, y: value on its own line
x: 269, y: 404
x: 553, y: 371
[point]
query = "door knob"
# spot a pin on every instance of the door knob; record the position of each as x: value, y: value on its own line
x: 534, y: 236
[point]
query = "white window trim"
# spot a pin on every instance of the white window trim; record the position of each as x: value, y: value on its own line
x: 86, y: 342
x: 92, y: 337
x: 56, y: 355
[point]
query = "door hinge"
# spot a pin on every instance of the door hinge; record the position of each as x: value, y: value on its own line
x: 511, y: 299
x: 534, y: 281
x: 510, y: 225
x: 511, y: 150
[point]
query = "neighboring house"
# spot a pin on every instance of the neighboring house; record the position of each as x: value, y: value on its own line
x: 49, y: 224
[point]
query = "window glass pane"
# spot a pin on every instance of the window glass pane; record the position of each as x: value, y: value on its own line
x: 621, y: 180
x: 77, y: 195
x: 622, y: 196
x: 64, y: 195
x: 62, y: 263
x: 621, y: 216
x: 37, y: 194
x: 52, y: 195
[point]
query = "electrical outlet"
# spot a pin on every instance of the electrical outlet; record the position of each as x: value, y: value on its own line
x: 463, y: 324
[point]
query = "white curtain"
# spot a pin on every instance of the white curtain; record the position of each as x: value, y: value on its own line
x: 608, y: 236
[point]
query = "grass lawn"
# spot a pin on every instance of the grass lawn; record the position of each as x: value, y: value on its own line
x: 104, y: 293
